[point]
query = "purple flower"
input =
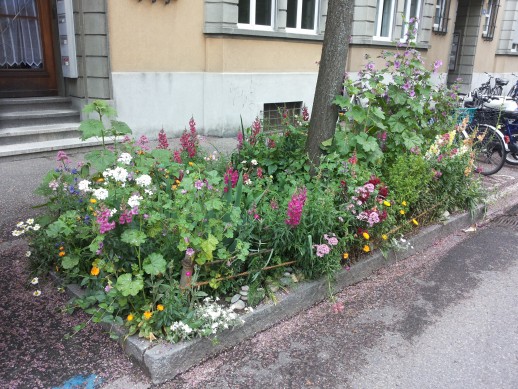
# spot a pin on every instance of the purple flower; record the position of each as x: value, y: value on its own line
x: 322, y: 249
x: 436, y: 65
x: 199, y: 184
x: 62, y: 157
x: 189, y: 252
x: 107, y: 288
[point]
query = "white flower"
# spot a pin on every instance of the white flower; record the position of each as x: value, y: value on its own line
x: 35, y: 281
x: 36, y: 293
x: 17, y: 233
x: 144, y: 180
x: 125, y: 158
x: 20, y: 224
x: 113, y: 212
x: 148, y: 192
x: 30, y: 221
x: 36, y: 227
x: 100, y: 194
x: 243, y: 162
x: 28, y: 254
x: 253, y: 162
x: 118, y: 174
x: 84, y: 186
x: 134, y: 201
x: 248, y: 182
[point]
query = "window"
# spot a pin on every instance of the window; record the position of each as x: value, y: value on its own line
x: 384, y: 19
x: 442, y: 12
x: 301, y: 15
x: 489, y: 13
x: 274, y: 114
x: 514, y: 47
x: 411, y: 11
x: 256, y: 14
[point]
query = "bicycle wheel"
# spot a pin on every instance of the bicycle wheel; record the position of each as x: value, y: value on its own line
x: 511, y: 159
x: 488, y: 149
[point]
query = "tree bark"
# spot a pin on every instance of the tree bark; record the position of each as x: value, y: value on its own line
x: 330, y: 76
x: 187, y: 271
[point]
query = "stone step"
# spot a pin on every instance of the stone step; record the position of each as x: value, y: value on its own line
x: 22, y: 151
x: 13, y: 119
x: 34, y: 104
x: 31, y: 134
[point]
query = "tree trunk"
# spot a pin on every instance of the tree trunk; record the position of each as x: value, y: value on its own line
x: 330, y: 76
x: 187, y: 271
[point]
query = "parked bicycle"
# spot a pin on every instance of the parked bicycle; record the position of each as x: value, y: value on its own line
x: 487, y: 144
x: 513, y: 92
x: 475, y: 97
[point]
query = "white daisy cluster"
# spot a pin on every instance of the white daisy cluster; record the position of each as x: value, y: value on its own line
x: 118, y: 174
x: 23, y: 227
x: 84, y: 186
x: 100, y: 194
x: 134, y: 200
x: 143, y: 181
x: 125, y: 158
x: 214, y: 318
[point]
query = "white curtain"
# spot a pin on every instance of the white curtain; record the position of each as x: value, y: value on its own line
x: 20, y: 40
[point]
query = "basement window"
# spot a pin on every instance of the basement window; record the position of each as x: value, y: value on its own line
x: 274, y: 114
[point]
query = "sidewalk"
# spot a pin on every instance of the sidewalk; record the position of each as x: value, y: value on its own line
x: 35, y: 354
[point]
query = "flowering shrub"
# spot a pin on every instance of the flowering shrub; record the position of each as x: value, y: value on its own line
x: 149, y: 233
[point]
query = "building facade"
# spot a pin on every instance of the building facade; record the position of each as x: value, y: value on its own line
x: 223, y: 61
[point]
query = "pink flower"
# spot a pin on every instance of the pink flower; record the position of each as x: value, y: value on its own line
x: 143, y: 142
x: 295, y: 207
x: 189, y: 252
x: 322, y: 249
x: 338, y: 307
x: 239, y: 140
x: 189, y: 140
x: 62, y: 157
x: 177, y: 156
x: 162, y: 140
x: 305, y: 114
x: 231, y: 176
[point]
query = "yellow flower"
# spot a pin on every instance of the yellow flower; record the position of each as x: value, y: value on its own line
x: 345, y: 255
x: 384, y: 237
x: 404, y: 203
x: 386, y: 203
x: 93, y: 201
x: 147, y: 315
x: 130, y: 317
x: 160, y: 307
x: 191, y: 163
x: 415, y: 222
x: 62, y: 253
x: 61, y: 248
x: 366, y: 248
x: 402, y: 212
x: 95, y: 271
x: 177, y: 182
x: 366, y: 235
x: 174, y: 187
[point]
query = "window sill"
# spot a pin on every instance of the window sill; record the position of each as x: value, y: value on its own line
x: 382, y: 43
x: 220, y: 30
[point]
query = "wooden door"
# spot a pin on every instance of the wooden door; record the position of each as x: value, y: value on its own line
x: 27, y: 65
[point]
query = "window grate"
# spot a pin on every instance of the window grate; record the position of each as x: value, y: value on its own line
x: 276, y: 114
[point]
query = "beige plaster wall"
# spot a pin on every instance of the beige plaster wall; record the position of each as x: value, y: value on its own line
x: 485, y: 60
x: 156, y: 37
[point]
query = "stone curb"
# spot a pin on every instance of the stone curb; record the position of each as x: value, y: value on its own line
x: 163, y: 361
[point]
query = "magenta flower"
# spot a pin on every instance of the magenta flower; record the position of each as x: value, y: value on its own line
x: 62, y: 157
x: 231, y: 176
x: 162, y: 140
x: 295, y: 207
x: 305, y: 114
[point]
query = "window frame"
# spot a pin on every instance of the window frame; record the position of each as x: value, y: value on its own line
x: 441, y: 26
x: 379, y: 19
x: 488, y: 29
x: 254, y: 26
x: 299, y: 28
x: 406, y: 18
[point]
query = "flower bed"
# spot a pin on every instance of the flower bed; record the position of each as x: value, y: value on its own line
x: 156, y: 236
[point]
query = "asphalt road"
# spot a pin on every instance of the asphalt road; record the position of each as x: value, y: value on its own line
x: 443, y: 318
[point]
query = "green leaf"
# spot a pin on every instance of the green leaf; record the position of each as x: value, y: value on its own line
x: 129, y: 286
x: 212, y: 204
x: 162, y: 156
x: 154, y: 264
x: 69, y: 262
x: 58, y: 228
x: 208, y: 246
x: 94, y: 246
x: 133, y: 237
x: 120, y: 128
x: 101, y: 159
x: 91, y: 128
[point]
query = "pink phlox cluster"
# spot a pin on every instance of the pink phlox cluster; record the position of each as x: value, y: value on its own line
x: 103, y: 220
x: 231, y: 177
x: 295, y: 207
x: 143, y: 142
x: 189, y: 140
x: 126, y: 139
x: 239, y: 140
x: 62, y: 157
x: 370, y: 216
x: 177, y: 156
x: 162, y: 140
x: 256, y: 129
x: 338, y: 307
x: 322, y: 249
x: 332, y: 240
x: 305, y: 114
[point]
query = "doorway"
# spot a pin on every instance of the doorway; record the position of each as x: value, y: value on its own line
x: 27, y: 62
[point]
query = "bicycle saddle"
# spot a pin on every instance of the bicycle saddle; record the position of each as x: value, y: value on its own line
x: 501, y: 81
